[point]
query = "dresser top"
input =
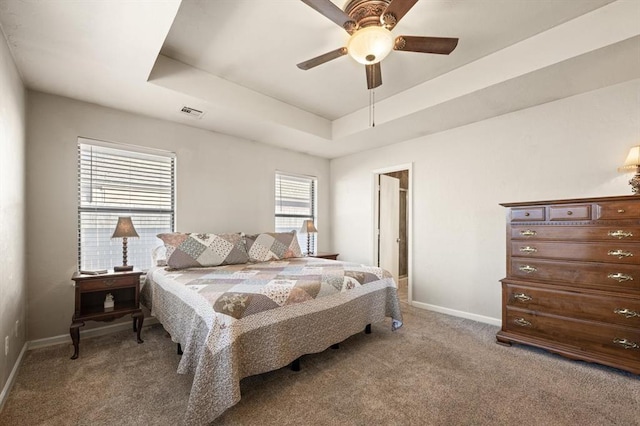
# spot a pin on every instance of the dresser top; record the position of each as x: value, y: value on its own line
x: 626, y: 198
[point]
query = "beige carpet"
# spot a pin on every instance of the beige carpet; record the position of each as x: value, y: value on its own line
x: 436, y: 370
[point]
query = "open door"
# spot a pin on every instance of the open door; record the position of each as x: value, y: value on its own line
x: 389, y: 224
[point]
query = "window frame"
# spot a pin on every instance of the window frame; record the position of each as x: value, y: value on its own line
x: 313, y: 200
x: 109, y: 209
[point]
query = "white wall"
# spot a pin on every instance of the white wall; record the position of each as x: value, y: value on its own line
x: 224, y: 184
x: 13, y: 291
x: 565, y: 149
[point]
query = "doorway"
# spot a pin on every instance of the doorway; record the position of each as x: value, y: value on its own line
x: 392, y: 225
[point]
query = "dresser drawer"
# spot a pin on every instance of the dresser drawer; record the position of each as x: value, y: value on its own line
x: 618, y: 210
x: 527, y: 214
x: 614, y: 252
x: 570, y: 212
x: 582, y: 336
x: 613, y: 310
x: 605, y: 276
x: 107, y: 283
x: 576, y: 233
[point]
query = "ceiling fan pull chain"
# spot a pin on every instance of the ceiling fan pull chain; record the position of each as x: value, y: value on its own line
x: 372, y: 108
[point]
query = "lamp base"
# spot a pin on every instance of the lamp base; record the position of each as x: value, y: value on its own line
x: 635, y: 184
x: 123, y: 268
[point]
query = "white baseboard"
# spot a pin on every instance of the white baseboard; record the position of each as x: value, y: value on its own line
x: 455, y: 313
x: 12, y: 376
x: 94, y: 332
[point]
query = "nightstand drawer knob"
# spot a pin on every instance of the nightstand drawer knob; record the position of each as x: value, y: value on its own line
x: 528, y: 249
x: 109, y: 282
x: 627, y: 344
x: 627, y: 313
x: 620, y: 234
x: 620, y: 277
x: 522, y: 297
x: 620, y: 210
x: 620, y: 253
x: 522, y: 322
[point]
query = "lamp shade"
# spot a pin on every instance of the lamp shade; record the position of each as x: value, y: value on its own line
x: 370, y: 45
x: 308, y: 227
x: 633, y: 159
x: 124, y: 228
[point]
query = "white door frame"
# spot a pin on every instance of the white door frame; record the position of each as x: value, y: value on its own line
x: 374, y: 219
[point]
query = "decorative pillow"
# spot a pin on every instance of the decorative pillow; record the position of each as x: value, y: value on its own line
x: 192, y: 250
x: 272, y: 246
x: 159, y: 256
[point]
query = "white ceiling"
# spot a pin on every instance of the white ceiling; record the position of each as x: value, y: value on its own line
x: 235, y: 60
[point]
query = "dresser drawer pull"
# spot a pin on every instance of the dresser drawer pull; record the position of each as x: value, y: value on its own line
x: 528, y: 249
x: 527, y: 214
x: 627, y: 344
x: 527, y: 269
x: 569, y: 213
x: 522, y: 322
x: 620, y: 210
x: 620, y: 277
x: 620, y: 234
x: 522, y: 297
x: 627, y: 313
x: 620, y: 253
x: 528, y: 233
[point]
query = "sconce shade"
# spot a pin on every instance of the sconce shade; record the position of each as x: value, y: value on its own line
x: 124, y: 228
x: 633, y: 159
x: 308, y: 227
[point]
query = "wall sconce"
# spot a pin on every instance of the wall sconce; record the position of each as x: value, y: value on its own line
x: 632, y: 163
x: 124, y: 230
x: 308, y: 228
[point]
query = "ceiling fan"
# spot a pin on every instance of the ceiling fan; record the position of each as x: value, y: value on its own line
x: 369, y: 23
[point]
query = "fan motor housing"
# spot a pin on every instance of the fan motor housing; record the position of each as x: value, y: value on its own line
x: 366, y: 12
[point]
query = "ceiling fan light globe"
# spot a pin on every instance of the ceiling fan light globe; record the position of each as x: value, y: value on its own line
x: 370, y: 45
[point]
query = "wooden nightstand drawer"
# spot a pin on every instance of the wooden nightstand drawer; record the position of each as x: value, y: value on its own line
x: 107, y: 283
x: 330, y: 256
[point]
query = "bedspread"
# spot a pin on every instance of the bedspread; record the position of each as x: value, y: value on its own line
x: 234, y: 321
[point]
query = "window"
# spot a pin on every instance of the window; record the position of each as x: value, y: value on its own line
x: 114, y: 181
x: 295, y: 202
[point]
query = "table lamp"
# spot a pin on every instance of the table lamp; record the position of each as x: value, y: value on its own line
x: 124, y: 230
x: 308, y: 228
x: 632, y: 163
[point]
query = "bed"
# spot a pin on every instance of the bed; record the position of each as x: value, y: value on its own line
x: 234, y: 321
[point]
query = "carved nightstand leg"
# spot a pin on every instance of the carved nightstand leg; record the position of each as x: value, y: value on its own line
x: 138, y: 318
x: 74, y: 331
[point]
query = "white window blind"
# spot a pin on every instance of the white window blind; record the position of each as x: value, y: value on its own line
x: 295, y: 203
x: 115, y: 182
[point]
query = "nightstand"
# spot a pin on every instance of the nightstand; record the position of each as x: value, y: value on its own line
x: 331, y: 256
x: 91, y: 291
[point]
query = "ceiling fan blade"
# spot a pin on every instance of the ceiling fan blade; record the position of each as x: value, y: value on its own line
x: 397, y: 8
x: 333, y: 13
x: 439, y: 45
x: 374, y: 75
x: 319, y: 60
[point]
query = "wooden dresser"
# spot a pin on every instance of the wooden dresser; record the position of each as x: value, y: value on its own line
x: 573, y: 279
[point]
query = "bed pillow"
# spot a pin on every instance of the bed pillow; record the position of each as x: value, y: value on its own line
x: 193, y: 250
x: 272, y: 246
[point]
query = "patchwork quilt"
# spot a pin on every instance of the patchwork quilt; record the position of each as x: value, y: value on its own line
x: 234, y: 321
